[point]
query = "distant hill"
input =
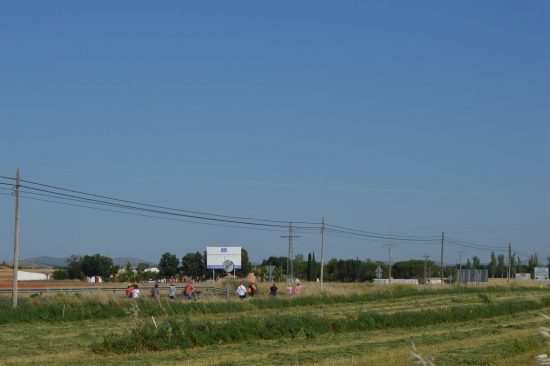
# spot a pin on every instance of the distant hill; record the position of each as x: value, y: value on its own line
x: 134, y: 261
x: 26, y: 264
x: 46, y: 261
x: 61, y: 262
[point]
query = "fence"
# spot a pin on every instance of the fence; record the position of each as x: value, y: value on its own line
x: 473, y: 275
x: 209, y: 290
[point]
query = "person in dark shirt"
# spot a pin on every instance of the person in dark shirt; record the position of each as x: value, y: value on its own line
x: 273, y: 290
x: 155, y: 292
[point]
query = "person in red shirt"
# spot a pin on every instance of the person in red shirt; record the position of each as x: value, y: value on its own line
x: 129, y: 291
x: 188, y: 292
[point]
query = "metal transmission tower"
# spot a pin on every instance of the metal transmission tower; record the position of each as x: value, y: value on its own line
x: 290, y: 257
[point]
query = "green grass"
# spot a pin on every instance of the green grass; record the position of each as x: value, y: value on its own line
x: 495, y: 326
x: 82, y: 307
x: 187, y: 333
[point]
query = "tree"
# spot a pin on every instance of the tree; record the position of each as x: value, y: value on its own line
x: 192, y: 264
x: 300, y: 270
x: 60, y: 274
x: 274, y: 261
x: 142, y: 267
x: 315, y: 268
x: 493, y: 265
x: 412, y: 269
x: 501, y: 265
x: 168, y: 265
x: 246, y: 267
x: 345, y: 270
x: 533, y: 261
x: 476, y: 262
x: 73, y: 267
x: 469, y: 264
x: 97, y: 265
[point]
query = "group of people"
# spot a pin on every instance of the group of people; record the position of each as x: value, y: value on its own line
x: 189, y: 293
x: 250, y: 290
x: 133, y: 291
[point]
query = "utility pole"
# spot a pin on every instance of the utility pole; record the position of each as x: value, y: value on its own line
x: 322, y: 249
x: 426, y: 268
x: 290, y: 258
x: 460, y: 252
x: 16, y: 241
x: 389, y: 246
x: 509, y: 261
x: 442, y: 244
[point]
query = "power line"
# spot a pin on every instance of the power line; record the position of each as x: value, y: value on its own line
x: 383, y: 234
x: 213, y: 219
x: 162, y: 207
x: 458, y: 245
x: 143, y: 215
x: 474, y: 244
x: 130, y: 207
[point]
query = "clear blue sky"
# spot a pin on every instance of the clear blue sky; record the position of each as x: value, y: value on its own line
x: 409, y: 117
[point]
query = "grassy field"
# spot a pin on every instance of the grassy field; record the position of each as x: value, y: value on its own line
x: 344, y: 325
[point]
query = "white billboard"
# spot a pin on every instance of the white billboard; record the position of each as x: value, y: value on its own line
x: 215, y: 256
x: 541, y: 273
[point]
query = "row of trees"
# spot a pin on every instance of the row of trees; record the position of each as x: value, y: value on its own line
x: 89, y: 265
x: 193, y: 265
x: 498, y: 264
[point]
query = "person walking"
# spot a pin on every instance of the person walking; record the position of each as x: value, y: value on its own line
x: 289, y: 289
x: 241, y: 291
x: 273, y: 290
x: 251, y: 290
x: 155, y: 292
x: 188, y: 292
x: 172, y: 291
x: 135, y: 292
x: 298, y: 289
x: 129, y: 290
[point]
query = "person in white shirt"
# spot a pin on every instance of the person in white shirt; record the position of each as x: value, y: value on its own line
x: 172, y: 291
x: 241, y: 291
x: 135, y: 292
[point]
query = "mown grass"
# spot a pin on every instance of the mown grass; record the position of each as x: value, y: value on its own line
x: 186, y: 333
x: 81, y: 307
x: 68, y: 343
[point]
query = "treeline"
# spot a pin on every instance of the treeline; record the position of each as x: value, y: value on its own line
x: 193, y: 265
x: 498, y: 264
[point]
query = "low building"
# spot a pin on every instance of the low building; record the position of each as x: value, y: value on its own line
x: 6, y: 275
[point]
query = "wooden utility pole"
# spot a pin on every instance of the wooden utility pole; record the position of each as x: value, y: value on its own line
x: 509, y: 261
x: 322, y: 249
x: 389, y: 246
x: 460, y: 252
x: 16, y: 241
x: 426, y: 268
x: 442, y: 244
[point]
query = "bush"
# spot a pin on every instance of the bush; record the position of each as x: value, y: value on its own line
x: 60, y: 274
